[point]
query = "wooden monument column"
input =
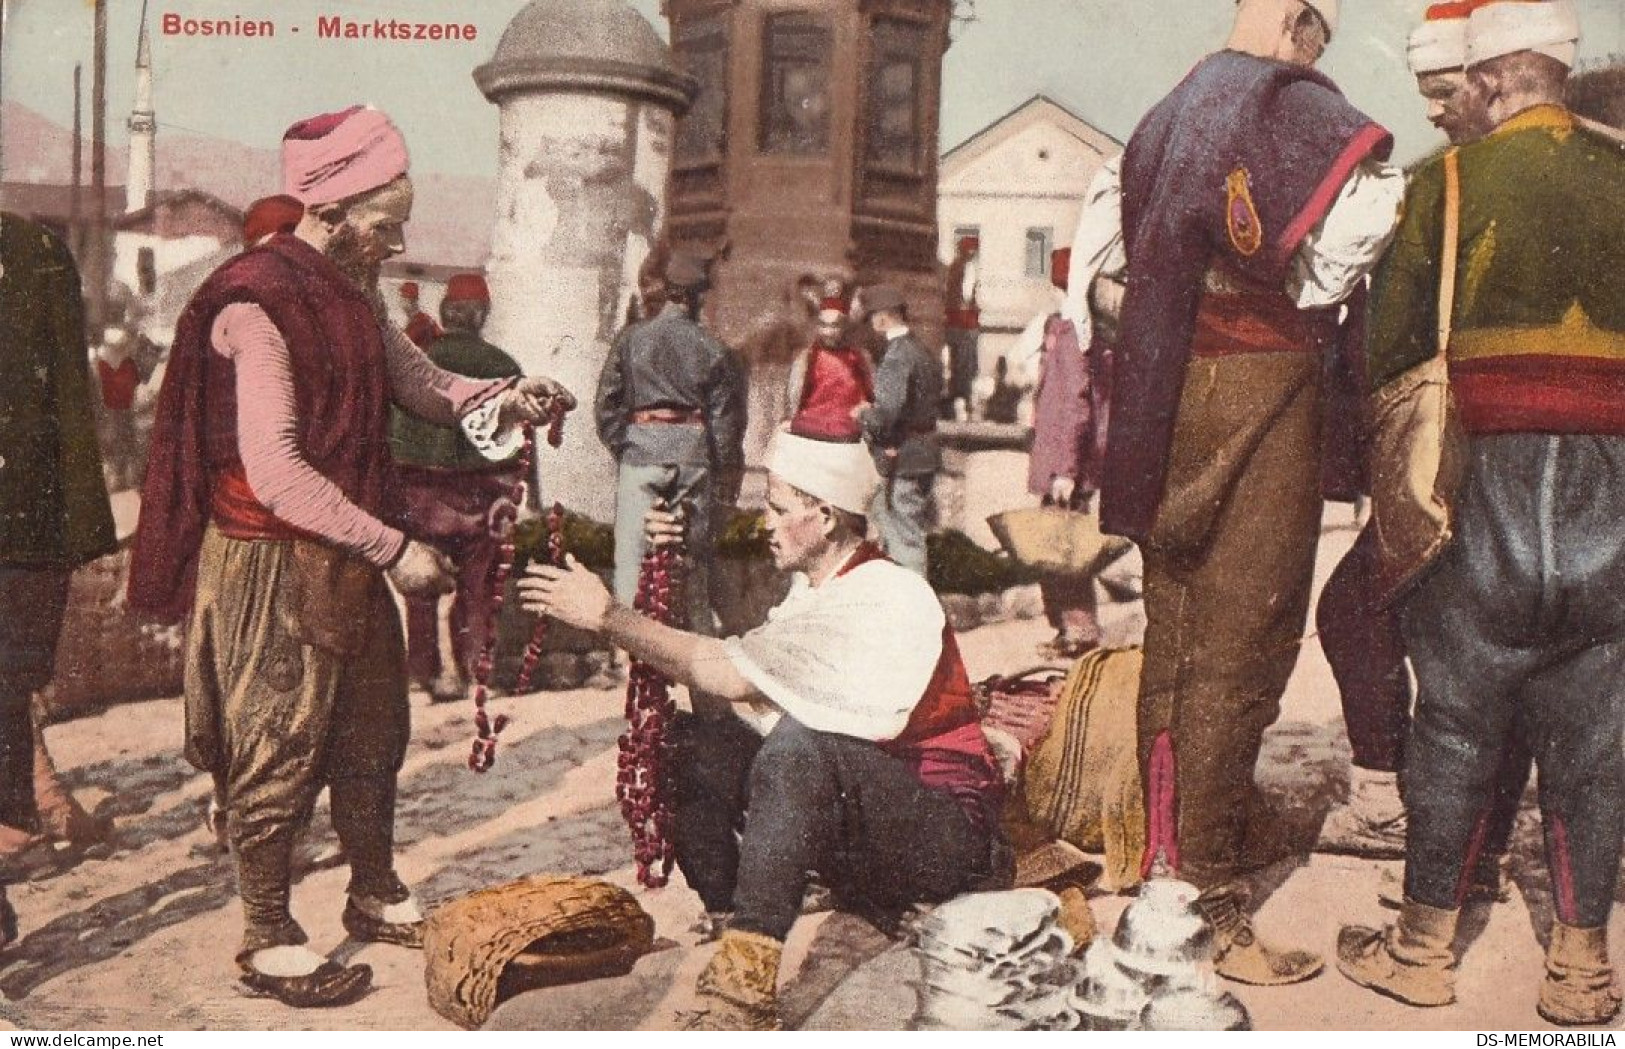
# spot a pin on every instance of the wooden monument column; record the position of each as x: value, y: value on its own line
x: 811, y: 148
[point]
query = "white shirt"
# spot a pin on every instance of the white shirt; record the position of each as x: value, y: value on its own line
x: 1345, y: 246
x: 1097, y: 246
x: 853, y: 655
x: 1330, y: 263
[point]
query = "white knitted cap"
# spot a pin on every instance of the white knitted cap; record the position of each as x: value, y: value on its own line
x: 1550, y: 27
x: 841, y: 474
x: 1437, y: 46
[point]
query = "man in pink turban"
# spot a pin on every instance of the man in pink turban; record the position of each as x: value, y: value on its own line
x: 264, y: 520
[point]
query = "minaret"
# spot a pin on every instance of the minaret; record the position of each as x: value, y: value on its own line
x: 143, y: 128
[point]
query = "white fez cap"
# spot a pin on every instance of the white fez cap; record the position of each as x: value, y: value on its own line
x: 1327, y: 9
x: 839, y: 473
x: 1549, y: 27
x: 1440, y: 43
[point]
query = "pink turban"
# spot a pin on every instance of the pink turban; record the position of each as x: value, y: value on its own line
x: 338, y: 155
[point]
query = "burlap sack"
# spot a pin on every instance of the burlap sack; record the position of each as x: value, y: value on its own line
x: 537, y: 932
x: 1418, y: 448
x: 1081, y: 782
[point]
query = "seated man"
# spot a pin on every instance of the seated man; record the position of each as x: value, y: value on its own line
x: 868, y: 764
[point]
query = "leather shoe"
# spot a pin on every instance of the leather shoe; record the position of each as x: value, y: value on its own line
x: 8, y: 921
x: 331, y: 984
x: 363, y: 926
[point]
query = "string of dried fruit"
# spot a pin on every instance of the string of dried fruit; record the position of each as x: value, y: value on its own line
x: 640, y: 781
x: 483, y: 754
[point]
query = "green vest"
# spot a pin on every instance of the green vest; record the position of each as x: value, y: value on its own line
x: 418, y: 442
x: 53, y: 498
x: 1541, y: 267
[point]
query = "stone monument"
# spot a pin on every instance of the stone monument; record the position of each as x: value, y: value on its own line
x: 810, y: 149
x: 588, y: 97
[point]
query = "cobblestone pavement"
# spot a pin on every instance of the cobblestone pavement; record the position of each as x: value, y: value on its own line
x: 143, y: 940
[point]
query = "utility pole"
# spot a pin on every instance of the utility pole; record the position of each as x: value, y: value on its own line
x: 5, y: 12
x: 98, y: 259
x: 76, y: 227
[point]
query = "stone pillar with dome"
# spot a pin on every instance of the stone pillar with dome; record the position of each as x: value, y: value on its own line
x: 588, y: 97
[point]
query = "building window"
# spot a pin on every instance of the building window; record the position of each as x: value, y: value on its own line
x: 895, y: 80
x: 701, y: 48
x: 1038, y: 250
x: 795, y: 84
x: 146, y: 271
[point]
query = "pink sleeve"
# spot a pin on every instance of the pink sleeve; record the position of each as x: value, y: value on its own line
x: 268, y: 441
x: 432, y: 393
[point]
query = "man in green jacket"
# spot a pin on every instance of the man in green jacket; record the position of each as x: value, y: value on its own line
x: 451, y: 493
x: 54, y: 512
x: 1523, y: 615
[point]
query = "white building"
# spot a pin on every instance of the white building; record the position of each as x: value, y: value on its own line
x: 1017, y: 185
x: 162, y: 252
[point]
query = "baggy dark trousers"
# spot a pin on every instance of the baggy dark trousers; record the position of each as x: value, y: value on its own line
x: 755, y: 817
x: 1524, y: 616
x: 33, y: 601
x: 1365, y: 647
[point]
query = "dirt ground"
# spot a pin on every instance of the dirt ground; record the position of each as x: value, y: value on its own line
x: 143, y: 939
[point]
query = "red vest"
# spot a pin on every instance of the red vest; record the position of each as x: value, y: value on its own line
x: 341, y: 391
x: 118, y: 384
x: 837, y: 381
x: 943, y: 739
x: 422, y: 329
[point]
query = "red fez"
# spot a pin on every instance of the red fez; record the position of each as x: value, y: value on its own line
x: 1450, y: 12
x: 970, y: 243
x: 467, y: 287
x: 833, y: 304
x: 268, y: 215
x: 409, y: 290
x: 1060, y: 267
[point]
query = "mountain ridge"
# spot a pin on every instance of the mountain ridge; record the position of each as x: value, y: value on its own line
x: 452, y: 214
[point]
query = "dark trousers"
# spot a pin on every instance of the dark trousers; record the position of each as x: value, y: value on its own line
x: 1069, y: 600
x: 755, y: 816
x: 964, y: 363
x: 1524, y: 616
x: 476, y: 559
x: 33, y: 602
x: 449, y: 509
x: 1366, y: 649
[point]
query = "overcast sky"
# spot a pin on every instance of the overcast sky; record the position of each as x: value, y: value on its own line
x: 1108, y: 61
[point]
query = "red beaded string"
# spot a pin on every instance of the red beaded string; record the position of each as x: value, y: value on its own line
x: 555, y: 557
x: 640, y: 781
x: 483, y: 754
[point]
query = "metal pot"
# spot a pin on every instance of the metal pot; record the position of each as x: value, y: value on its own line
x: 1190, y: 1009
x: 1162, y: 933
x: 1110, y: 998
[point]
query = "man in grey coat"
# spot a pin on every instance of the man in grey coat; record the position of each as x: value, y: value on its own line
x: 671, y: 409
x: 901, y: 428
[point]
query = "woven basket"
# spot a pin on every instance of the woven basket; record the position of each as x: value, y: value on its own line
x: 486, y: 947
x: 1062, y: 541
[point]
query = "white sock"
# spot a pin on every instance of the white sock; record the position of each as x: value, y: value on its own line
x: 404, y: 913
x: 286, y: 961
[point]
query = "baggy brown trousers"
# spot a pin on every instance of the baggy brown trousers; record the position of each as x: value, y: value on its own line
x: 275, y: 719
x: 1228, y: 571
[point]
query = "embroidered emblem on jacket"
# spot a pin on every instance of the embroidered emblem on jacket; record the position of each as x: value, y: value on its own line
x: 1240, y: 216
